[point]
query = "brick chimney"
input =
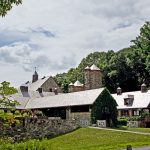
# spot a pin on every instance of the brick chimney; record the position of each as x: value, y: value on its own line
x: 119, y: 91
x: 56, y: 91
x: 143, y: 88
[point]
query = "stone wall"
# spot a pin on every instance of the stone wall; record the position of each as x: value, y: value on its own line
x: 38, y: 128
x: 76, y: 88
x: 50, y: 84
x: 80, y: 116
x: 93, y: 79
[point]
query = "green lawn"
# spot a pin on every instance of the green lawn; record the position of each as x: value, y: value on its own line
x: 145, y: 130
x: 83, y: 139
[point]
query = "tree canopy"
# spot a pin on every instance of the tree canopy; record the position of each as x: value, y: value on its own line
x: 6, y: 90
x: 6, y: 5
x: 127, y: 68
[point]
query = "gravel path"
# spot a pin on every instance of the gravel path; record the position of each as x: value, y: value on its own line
x: 121, y: 131
x: 141, y: 148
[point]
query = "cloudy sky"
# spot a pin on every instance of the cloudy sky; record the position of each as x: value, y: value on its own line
x: 55, y: 35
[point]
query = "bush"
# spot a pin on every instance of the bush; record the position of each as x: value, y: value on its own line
x: 122, y: 121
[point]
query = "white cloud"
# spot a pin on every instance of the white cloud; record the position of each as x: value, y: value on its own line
x: 56, y: 35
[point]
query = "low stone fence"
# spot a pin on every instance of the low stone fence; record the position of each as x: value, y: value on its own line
x: 38, y: 128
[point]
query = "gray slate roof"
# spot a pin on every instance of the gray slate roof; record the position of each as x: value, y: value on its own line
x: 35, y: 85
x: 71, y: 99
x: 24, y: 97
x: 141, y: 100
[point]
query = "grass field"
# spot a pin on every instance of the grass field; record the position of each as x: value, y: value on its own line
x: 145, y: 130
x: 82, y: 139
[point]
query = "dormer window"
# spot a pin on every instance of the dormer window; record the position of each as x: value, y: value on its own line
x: 128, y: 101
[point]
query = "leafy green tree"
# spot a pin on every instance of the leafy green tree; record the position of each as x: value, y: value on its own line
x: 6, y: 5
x: 140, y: 54
x: 127, y: 68
x: 5, y: 100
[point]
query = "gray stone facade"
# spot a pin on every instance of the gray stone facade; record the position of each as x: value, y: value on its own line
x: 50, y: 85
x: 93, y: 78
x: 38, y: 128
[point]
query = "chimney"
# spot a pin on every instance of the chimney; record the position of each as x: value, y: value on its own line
x: 24, y: 88
x: 40, y: 90
x: 143, y: 88
x: 56, y: 91
x: 119, y: 91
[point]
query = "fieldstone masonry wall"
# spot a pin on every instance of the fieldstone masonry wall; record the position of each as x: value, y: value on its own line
x: 39, y: 128
x: 50, y: 84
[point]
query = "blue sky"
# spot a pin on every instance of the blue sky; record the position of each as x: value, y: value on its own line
x: 55, y: 35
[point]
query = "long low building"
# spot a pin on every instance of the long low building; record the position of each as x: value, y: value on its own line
x: 45, y: 94
x: 79, y: 104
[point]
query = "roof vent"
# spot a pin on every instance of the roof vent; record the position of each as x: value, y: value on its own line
x: 143, y: 88
x: 44, y: 77
x: 27, y: 82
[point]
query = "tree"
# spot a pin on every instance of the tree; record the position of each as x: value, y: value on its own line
x: 140, y: 54
x: 5, y: 100
x: 6, y: 5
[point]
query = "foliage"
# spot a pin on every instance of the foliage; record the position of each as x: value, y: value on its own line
x: 9, y: 118
x: 122, y: 121
x: 5, y: 100
x: 144, y: 114
x: 82, y: 139
x: 127, y: 68
x: 105, y: 107
x: 6, y: 5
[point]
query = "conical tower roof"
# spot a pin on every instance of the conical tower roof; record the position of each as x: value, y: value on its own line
x: 94, y: 67
x: 78, y: 83
x: 87, y: 68
x: 71, y: 84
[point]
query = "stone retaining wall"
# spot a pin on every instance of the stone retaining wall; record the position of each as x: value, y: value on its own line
x: 38, y: 128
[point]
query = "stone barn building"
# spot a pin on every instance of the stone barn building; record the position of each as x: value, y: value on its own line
x: 44, y: 94
x: 46, y: 84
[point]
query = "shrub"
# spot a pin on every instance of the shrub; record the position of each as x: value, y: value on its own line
x: 122, y: 121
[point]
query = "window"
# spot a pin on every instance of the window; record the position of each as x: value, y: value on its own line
x: 128, y: 101
x: 50, y: 90
x: 124, y: 113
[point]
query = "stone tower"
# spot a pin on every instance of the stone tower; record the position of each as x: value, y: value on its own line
x: 76, y: 87
x: 93, y: 77
x: 35, y: 77
x: 87, y: 78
